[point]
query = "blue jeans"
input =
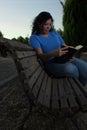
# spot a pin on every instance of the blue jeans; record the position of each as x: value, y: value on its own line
x: 76, y: 69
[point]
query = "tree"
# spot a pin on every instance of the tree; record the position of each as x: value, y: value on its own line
x: 61, y: 3
x: 21, y: 39
x: 74, y: 21
x: 1, y: 35
x: 61, y: 32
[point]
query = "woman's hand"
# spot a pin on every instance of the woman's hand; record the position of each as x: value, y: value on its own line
x: 61, y: 51
x: 58, y: 52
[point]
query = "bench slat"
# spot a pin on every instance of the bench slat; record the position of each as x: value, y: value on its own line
x: 26, y: 62
x: 29, y: 72
x: 42, y: 90
x: 70, y: 94
x: 47, y: 95
x: 55, y: 96
x: 24, y: 54
x: 83, y: 89
x: 38, y: 85
x: 62, y: 94
x: 79, y: 95
x: 14, y: 45
x: 34, y: 77
x: 18, y: 45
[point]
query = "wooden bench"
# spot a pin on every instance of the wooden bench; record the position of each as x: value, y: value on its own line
x: 59, y: 94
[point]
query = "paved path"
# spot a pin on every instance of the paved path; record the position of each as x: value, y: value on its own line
x: 7, y: 69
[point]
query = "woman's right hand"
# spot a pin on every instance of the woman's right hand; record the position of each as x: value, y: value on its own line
x: 61, y: 51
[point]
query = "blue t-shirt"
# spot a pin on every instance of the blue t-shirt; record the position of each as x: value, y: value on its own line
x: 47, y: 44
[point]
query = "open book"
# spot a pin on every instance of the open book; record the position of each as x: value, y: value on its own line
x: 72, y: 52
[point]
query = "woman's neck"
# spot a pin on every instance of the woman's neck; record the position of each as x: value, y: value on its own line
x: 45, y: 35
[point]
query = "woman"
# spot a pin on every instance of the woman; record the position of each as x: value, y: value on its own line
x: 48, y: 44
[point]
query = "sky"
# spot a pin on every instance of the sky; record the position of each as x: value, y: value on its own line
x: 16, y: 16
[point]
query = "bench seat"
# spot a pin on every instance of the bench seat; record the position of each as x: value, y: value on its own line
x: 53, y: 93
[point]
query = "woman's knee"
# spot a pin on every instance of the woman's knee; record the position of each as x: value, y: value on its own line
x: 71, y: 70
x: 67, y: 69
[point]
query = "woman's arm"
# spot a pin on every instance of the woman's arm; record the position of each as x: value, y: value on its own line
x: 56, y: 53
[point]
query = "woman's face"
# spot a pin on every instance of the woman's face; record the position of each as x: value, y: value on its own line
x: 47, y: 26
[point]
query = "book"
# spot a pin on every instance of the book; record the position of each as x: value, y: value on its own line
x: 72, y: 52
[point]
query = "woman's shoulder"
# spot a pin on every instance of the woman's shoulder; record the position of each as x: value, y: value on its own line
x: 54, y: 32
x: 32, y: 36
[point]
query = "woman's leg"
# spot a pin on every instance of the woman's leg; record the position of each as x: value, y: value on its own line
x: 60, y: 70
x: 82, y: 68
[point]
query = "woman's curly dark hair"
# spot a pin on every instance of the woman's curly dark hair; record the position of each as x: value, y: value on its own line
x: 40, y: 20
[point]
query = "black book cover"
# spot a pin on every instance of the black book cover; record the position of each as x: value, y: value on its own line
x: 72, y: 51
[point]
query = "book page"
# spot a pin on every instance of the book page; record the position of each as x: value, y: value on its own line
x: 78, y: 47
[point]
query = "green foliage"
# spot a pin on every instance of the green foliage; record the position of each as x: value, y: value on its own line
x: 60, y: 32
x: 21, y: 39
x: 74, y: 22
x: 1, y: 35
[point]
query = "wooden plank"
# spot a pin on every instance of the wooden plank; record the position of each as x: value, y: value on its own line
x: 55, y: 96
x: 38, y: 84
x: 42, y: 90
x: 70, y: 94
x: 47, y: 95
x: 62, y: 95
x: 26, y: 62
x: 81, y: 87
x: 29, y: 71
x: 13, y: 45
x: 17, y: 44
x: 24, y: 54
x: 34, y: 77
x: 82, y: 100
